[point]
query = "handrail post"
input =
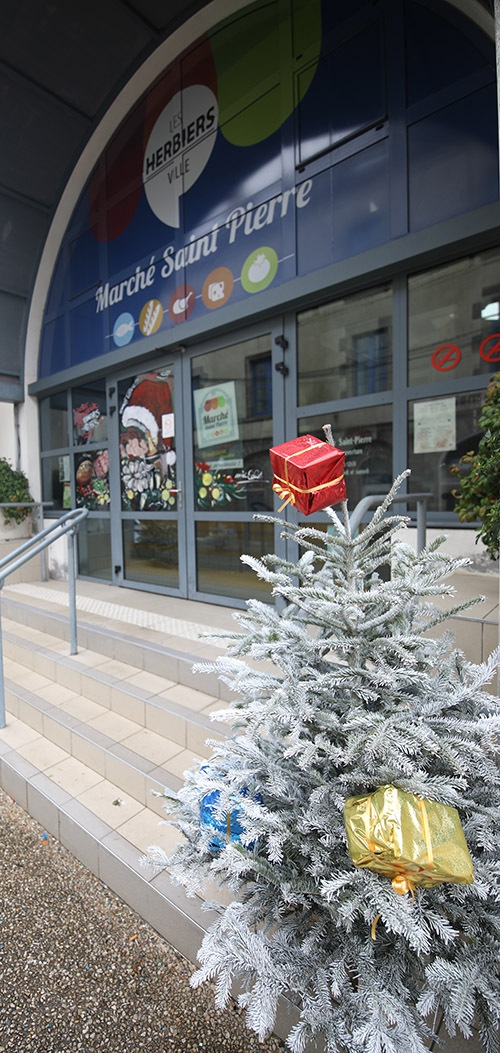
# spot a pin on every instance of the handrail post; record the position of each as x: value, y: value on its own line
x: 66, y: 524
x: 2, y: 678
x: 72, y: 592
x: 421, y: 523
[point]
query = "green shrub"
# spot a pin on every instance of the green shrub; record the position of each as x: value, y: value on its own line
x: 13, y: 487
x: 478, y: 496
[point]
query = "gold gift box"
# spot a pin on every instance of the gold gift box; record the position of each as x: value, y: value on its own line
x: 412, y: 840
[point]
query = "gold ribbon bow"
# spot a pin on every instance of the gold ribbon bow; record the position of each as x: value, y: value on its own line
x: 286, y: 496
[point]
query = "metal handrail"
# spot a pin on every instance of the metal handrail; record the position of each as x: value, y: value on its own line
x: 67, y: 524
x: 376, y: 499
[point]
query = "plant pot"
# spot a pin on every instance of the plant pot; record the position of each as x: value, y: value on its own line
x: 15, y: 531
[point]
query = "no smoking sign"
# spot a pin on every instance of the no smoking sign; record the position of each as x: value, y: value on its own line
x: 490, y: 348
x: 445, y: 357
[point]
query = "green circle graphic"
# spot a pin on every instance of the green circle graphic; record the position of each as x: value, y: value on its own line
x: 259, y: 269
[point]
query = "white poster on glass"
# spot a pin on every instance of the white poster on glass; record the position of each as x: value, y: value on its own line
x: 216, y: 415
x: 434, y: 426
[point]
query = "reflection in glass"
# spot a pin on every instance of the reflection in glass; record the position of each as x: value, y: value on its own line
x: 56, y: 482
x: 94, y: 548
x: 440, y: 432
x: 344, y: 73
x: 233, y: 427
x: 150, y: 552
x: 453, y: 316
x: 92, y: 480
x: 54, y: 421
x: 147, y: 442
x: 344, y: 349
x: 219, y: 546
x: 365, y: 436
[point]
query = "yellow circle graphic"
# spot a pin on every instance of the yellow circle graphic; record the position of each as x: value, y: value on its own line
x: 151, y: 317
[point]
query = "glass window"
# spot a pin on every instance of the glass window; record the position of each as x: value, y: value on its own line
x: 56, y: 482
x: 219, y: 546
x: 54, y: 421
x: 453, y: 160
x: 441, y: 430
x: 90, y: 421
x: 54, y: 353
x: 92, y: 480
x: 355, y: 73
x: 260, y: 388
x: 231, y: 440
x: 150, y: 552
x: 365, y: 436
x: 345, y: 348
x: 438, y: 53
x: 454, y: 320
x: 94, y: 548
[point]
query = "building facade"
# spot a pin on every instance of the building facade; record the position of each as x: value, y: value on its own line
x: 288, y: 219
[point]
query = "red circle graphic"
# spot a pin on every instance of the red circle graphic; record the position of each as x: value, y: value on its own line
x: 445, y: 357
x: 490, y: 353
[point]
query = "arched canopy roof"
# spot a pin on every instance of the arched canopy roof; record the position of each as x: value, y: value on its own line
x: 62, y: 62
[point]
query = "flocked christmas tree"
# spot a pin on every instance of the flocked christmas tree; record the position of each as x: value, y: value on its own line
x: 340, y: 690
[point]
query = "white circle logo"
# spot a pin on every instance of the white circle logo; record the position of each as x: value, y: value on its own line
x: 178, y: 149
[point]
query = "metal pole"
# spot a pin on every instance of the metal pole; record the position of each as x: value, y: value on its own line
x: 44, y: 551
x: 421, y: 523
x: 2, y: 680
x: 72, y: 592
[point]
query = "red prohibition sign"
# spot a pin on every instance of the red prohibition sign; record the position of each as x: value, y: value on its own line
x: 446, y: 356
x: 490, y: 348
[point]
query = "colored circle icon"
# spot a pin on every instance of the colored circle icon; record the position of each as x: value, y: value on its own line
x: 151, y: 317
x: 123, y: 329
x: 212, y: 404
x: 490, y: 348
x: 182, y: 303
x: 259, y: 269
x: 217, y: 288
x: 446, y: 357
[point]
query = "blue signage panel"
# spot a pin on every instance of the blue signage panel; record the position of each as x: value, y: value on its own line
x: 250, y: 161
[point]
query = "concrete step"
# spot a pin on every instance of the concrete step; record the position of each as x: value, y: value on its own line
x: 62, y: 696
x: 89, y: 736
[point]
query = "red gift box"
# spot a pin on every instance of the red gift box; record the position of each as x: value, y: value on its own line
x: 308, y: 473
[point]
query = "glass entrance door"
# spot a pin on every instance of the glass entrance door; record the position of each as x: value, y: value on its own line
x: 151, y: 530
x: 191, y: 440
x: 235, y: 408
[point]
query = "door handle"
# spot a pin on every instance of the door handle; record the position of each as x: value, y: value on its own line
x: 177, y: 490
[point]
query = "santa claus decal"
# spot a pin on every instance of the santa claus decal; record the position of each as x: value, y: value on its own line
x: 146, y: 443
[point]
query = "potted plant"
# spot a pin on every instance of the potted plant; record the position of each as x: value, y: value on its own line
x: 14, y: 486
x: 478, y: 495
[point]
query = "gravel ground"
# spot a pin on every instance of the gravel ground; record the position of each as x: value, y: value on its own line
x: 79, y: 970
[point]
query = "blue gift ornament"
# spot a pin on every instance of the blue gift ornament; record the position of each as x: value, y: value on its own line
x: 229, y: 825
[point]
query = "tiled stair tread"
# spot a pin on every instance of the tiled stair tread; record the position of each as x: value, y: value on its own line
x: 37, y: 613
x: 98, y: 805
x: 151, y: 650
x: 118, y: 748
x: 89, y: 664
x: 76, y: 780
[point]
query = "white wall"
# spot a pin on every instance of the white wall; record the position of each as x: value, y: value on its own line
x: 8, y: 436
